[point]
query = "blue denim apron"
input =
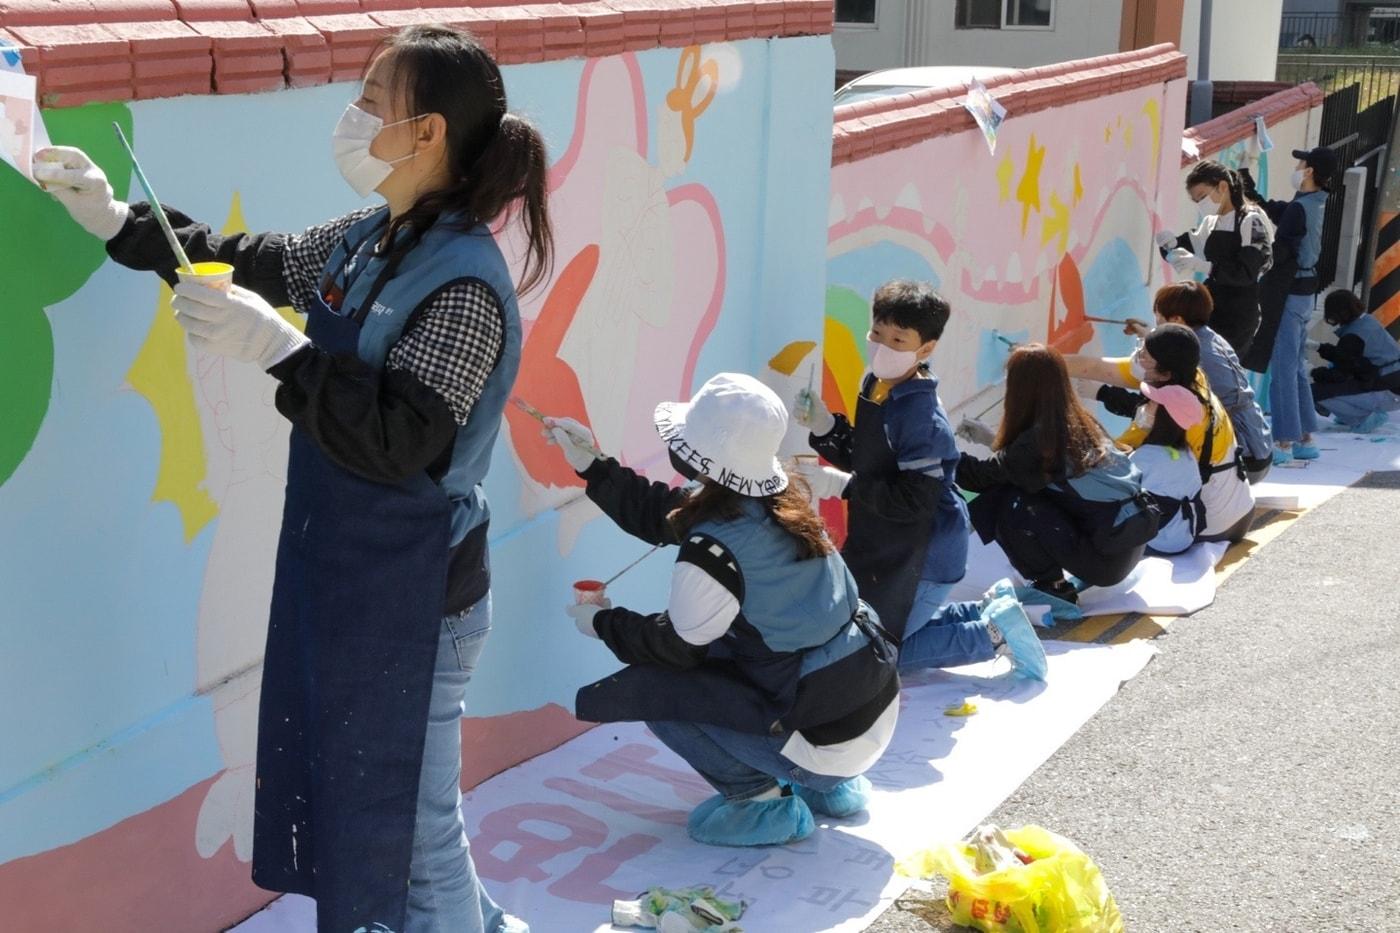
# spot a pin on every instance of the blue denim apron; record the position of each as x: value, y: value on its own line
x: 357, y: 608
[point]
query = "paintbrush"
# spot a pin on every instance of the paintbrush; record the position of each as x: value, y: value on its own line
x: 1006, y: 340
x: 545, y: 420
x: 156, y: 209
x: 609, y: 580
x: 1103, y: 320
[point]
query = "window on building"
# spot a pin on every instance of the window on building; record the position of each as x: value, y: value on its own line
x: 855, y: 11
x: 1005, y: 14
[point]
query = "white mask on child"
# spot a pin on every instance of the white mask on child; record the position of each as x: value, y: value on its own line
x: 350, y: 143
x: 888, y: 363
x: 1207, y: 206
x: 1296, y: 180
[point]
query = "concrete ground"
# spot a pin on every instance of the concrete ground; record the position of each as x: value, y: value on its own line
x: 1247, y: 780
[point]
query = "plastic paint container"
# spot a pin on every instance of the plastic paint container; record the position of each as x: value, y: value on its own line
x: 216, y: 275
x: 590, y: 592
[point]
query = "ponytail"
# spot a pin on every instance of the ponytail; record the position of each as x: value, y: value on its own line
x: 1213, y: 173
x: 497, y: 159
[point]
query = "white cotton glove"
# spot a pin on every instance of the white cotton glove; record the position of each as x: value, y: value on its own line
x: 824, y: 481
x: 1165, y: 239
x: 975, y: 431
x: 811, y: 412
x: 237, y: 323
x: 1187, y: 263
x: 78, y: 184
x: 583, y: 613
x: 575, y: 440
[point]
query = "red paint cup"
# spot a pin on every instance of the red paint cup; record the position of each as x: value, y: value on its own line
x: 589, y: 592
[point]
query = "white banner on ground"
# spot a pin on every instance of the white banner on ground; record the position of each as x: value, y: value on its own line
x: 558, y: 838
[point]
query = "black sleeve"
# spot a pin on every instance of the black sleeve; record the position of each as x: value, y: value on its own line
x: 835, y: 445
x: 1349, y: 355
x: 1242, y: 266
x: 634, y: 503
x: 905, y: 497
x: 1017, y: 464
x: 383, y: 425
x: 1120, y: 401
x: 1274, y: 209
x: 1183, y: 241
x: 641, y: 639
x: 257, y: 258
x: 1291, y: 224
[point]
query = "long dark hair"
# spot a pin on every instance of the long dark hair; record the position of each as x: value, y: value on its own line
x: 1213, y: 173
x: 1039, y: 399
x: 497, y: 159
x: 789, y: 508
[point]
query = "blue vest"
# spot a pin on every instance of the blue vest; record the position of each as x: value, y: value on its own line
x: 444, y: 256
x: 1381, y: 348
x: 790, y: 605
x: 1110, y: 488
x: 802, y: 655
x: 1314, y: 203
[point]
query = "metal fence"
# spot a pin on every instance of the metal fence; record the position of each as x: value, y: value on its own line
x: 1356, y: 118
x: 1357, y: 29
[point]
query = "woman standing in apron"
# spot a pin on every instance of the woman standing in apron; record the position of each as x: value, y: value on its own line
x: 1232, y: 246
x: 381, y: 601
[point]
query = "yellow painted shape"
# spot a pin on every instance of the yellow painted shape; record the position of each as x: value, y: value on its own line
x: 844, y: 359
x: 967, y: 709
x: 1078, y: 185
x: 1028, y: 191
x: 1006, y: 173
x: 1107, y: 133
x: 159, y: 375
x: 1056, y: 223
x: 790, y: 356
x: 1152, y: 109
x: 1128, y: 136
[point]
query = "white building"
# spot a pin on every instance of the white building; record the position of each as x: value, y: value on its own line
x: 874, y: 34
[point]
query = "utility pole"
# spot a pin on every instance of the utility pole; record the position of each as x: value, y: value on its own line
x: 1202, y: 91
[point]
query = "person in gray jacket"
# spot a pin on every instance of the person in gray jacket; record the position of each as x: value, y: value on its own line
x: 1189, y: 303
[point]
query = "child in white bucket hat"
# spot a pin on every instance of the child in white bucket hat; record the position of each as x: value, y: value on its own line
x: 765, y: 672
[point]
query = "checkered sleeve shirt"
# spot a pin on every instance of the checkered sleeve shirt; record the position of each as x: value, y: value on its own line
x: 454, y: 341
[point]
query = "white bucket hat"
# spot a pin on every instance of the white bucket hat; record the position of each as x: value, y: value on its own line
x: 729, y: 433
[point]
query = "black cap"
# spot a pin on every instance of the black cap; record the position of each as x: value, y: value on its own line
x: 1323, y: 162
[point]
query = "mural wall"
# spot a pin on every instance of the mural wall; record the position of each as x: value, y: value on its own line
x: 1024, y: 243
x: 141, y: 484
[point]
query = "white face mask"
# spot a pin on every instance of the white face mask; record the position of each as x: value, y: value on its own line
x: 888, y: 363
x: 350, y: 144
x: 1207, y: 206
x: 1296, y: 180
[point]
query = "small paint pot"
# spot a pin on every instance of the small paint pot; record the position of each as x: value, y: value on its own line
x: 590, y: 592
x: 215, y: 275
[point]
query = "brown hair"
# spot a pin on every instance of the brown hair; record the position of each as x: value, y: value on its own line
x: 1187, y: 301
x: 1341, y: 307
x: 1039, y: 399
x: 790, y: 508
x: 497, y: 159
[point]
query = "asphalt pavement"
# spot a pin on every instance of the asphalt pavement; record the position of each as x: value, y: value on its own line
x: 1249, y: 779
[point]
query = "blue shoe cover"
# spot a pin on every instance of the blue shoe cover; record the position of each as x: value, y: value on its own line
x: 845, y: 799
x: 1060, y: 610
x: 1372, y: 421
x: 775, y: 822
x: 1303, y: 451
x: 1027, y: 655
x: 1282, y: 456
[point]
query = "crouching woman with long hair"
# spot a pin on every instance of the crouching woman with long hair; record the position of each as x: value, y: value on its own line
x: 765, y: 672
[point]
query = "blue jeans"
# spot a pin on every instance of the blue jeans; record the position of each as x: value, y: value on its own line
x: 1351, y: 410
x: 444, y: 893
x: 737, y: 764
x: 943, y: 636
x: 1290, y: 391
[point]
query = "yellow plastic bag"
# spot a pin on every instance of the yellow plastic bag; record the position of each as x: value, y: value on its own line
x: 1061, y: 891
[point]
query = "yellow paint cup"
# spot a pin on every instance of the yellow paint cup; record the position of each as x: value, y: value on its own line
x: 215, y: 275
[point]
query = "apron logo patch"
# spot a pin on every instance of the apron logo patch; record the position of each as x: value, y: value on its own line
x: 378, y: 308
